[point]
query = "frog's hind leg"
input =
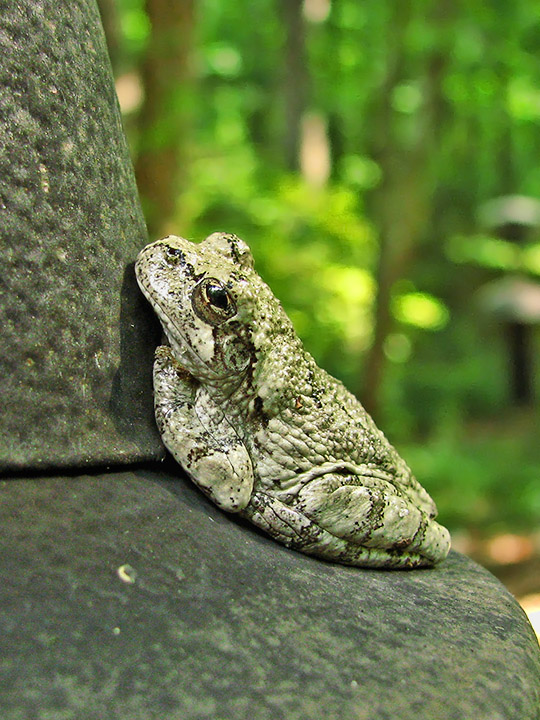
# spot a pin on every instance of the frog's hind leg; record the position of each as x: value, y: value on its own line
x: 369, y: 512
x: 293, y: 528
x: 281, y: 521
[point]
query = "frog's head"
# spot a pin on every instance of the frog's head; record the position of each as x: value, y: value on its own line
x: 214, y: 308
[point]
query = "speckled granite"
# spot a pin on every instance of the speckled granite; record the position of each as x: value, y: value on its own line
x: 71, y: 321
x: 221, y: 622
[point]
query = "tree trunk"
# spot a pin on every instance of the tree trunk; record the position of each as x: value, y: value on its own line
x: 295, y: 79
x: 108, y: 12
x: 401, y: 204
x: 161, y: 165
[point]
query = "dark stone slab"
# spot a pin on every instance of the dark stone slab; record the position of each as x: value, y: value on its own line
x: 76, y: 339
x: 221, y: 622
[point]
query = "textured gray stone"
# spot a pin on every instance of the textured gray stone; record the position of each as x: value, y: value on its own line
x: 70, y: 224
x: 219, y: 621
x: 224, y: 623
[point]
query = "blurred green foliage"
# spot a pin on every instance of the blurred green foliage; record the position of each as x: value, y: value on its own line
x: 444, y: 399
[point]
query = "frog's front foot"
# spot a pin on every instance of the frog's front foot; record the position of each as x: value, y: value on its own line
x: 199, y: 436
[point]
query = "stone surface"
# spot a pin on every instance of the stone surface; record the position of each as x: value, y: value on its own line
x: 221, y: 622
x: 76, y: 339
x: 128, y: 596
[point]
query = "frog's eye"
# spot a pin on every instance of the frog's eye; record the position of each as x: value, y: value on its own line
x: 212, y: 302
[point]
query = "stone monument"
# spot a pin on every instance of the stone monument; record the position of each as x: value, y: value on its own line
x: 124, y: 593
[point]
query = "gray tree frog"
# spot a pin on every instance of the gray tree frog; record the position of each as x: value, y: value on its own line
x: 261, y: 429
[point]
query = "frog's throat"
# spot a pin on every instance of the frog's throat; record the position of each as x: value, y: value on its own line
x: 189, y: 360
x: 185, y: 355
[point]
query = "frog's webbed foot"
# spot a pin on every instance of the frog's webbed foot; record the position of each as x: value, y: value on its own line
x: 336, y: 517
x: 370, y: 512
x: 198, y: 435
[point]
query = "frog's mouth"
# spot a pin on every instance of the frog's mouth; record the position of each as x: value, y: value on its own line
x: 183, y: 353
x: 172, y: 336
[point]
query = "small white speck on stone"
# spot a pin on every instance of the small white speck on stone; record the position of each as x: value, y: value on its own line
x: 127, y: 574
x: 44, y: 178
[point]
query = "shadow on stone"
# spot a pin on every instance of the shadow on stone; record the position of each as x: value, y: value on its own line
x: 131, y: 402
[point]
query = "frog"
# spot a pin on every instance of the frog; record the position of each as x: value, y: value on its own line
x: 265, y: 432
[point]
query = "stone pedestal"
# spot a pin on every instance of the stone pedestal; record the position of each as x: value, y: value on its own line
x: 125, y: 594
x: 129, y: 595
x: 76, y: 336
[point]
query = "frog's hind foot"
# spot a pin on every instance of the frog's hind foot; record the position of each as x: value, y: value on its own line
x: 282, y: 522
x: 291, y: 527
x: 372, y: 515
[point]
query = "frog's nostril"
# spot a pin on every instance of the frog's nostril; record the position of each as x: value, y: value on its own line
x: 174, y: 254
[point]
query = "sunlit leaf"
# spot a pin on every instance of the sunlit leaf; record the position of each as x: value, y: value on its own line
x: 407, y: 97
x: 397, y: 347
x: 530, y: 259
x: 224, y: 59
x: 524, y: 98
x: 360, y: 171
x: 421, y: 310
x: 484, y: 250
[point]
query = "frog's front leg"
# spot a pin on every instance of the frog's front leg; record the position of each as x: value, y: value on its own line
x: 198, y: 436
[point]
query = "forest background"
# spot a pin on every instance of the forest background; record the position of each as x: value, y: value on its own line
x: 382, y: 159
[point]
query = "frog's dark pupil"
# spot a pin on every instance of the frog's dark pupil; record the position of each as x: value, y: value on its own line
x: 218, y: 296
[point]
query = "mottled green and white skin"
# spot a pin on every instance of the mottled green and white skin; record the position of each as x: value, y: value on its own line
x: 265, y: 432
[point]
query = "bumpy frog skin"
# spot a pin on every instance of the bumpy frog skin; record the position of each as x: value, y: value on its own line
x: 261, y: 429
